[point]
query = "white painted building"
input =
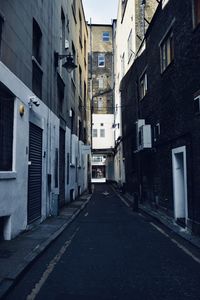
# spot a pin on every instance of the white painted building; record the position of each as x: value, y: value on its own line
x: 44, y: 156
x: 102, y: 131
x: 15, y: 184
x: 129, y: 33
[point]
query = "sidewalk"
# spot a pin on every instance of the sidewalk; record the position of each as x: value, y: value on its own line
x: 166, y: 220
x: 17, y: 254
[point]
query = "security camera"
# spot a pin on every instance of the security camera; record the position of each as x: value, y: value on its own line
x: 37, y: 103
x: 33, y: 100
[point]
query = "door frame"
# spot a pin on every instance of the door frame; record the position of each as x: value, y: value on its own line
x: 176, y: 193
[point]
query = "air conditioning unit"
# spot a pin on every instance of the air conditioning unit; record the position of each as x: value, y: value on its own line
x: 144, y: 138
x: 197, y: 104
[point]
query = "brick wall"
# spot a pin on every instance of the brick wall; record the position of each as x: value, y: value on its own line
x: 169, y: 101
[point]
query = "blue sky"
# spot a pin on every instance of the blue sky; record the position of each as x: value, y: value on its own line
x: 101, y: 11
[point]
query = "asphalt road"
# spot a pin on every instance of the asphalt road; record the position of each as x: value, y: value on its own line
x: 110, y: 252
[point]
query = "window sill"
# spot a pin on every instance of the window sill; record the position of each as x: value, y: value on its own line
x: 8, y: 175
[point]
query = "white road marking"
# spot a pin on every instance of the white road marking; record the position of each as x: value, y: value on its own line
x: 121, y: 198
x: 50, y: 268
x: 105, y: 193
x: 183, y: 248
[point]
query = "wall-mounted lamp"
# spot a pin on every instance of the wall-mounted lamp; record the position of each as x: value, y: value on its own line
x: 69, y: 65
x: 21, y: 110
x: 33, y: 100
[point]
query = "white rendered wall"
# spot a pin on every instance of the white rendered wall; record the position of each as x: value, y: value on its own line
x: 122, y: 34
x: 14, y: 185
x: 106, y: 142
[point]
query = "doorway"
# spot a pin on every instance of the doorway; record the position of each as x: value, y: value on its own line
x: 180, y: 185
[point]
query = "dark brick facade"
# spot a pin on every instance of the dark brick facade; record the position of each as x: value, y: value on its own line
x: 169, y: 101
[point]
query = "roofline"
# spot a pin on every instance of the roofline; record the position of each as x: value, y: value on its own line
x: 100, y: 25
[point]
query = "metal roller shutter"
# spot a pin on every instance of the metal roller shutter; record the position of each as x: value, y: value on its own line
x: 62, y: 168
x: 35, y: 173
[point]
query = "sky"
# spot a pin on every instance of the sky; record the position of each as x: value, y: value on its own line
x: 100, y: 11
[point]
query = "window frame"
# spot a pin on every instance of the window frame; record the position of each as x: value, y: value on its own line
x: 143, y: 84
x: 164, y: 3
x: 196, y: 14
x: 1, y: 30
x: 103, y: 60
x: 37, y: 41
x: 94, y: 130
x: 106, y: 36
x: 129, y: 45
x: 167, y: 48
x: 102, y: 130
x: 4, y: 151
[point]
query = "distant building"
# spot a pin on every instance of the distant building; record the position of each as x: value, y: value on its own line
x: 44, y: 110
x: 160, y: 114
x: 101, y: 95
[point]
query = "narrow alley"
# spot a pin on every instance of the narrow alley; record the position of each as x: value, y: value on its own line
x: 111, y: 252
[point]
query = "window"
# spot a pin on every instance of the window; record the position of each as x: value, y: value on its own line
x: 123, y: 8
x: 101, y: 60
x: 167, y: 50
x: 80, y: 130
x: 106, y: 36
x: 102, y: 132
x: 100, y: 103
x: 80, y: 81
x: 85, y: 101
x: 37, y: 79
x: 123, y: 65
x: 197, y: 104
x: 62, y: 39
x: 62, y: 33
x: 101, y: 82
x: 156, y: 132
x: 94, y: 132
x: 85, y: 49
x: 80, y: 29
x: 196, y: 12
x: 1, y: 28
x: 60, y: 94
x: 74, y: 9
x: 37, y: 42
x: 130, y: 52
x: 143, y: 85
x: 164, y: 2
x: 73, y: 73
x: 6, y: 131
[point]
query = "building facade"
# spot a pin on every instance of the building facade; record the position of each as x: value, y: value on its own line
x: 132, y: 22
x: 160, y: 99
x: 43, y: 110
x: 101, y: 95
